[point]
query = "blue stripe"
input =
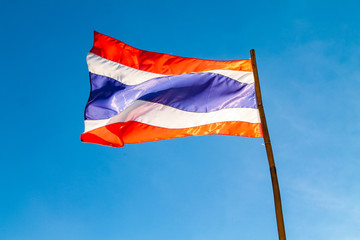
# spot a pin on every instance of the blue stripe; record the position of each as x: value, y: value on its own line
x: 193, y: 92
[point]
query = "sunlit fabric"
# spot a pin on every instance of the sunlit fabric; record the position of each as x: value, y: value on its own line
x: 140, y: 96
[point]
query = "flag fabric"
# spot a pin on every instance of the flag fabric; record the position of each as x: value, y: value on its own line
x: 140, y: 96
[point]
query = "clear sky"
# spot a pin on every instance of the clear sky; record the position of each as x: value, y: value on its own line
x: 52, y: 186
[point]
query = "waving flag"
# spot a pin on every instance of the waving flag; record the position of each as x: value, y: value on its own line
x: 141, y: 96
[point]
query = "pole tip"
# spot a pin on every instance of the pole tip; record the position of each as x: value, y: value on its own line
x: 252, y: 53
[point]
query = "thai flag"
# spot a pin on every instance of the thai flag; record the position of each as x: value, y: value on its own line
x: 141, y: 96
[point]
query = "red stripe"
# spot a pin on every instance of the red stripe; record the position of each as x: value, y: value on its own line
x: 117, y: 51
x: 119, y: 134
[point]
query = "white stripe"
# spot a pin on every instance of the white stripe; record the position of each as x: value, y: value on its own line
x: 132, y: 76
x: 159, y: 115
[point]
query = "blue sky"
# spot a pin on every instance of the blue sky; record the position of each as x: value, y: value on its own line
x: 211, y: 187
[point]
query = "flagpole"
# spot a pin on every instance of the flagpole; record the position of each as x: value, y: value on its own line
x: 269, y: 151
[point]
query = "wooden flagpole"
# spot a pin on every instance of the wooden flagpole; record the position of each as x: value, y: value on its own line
x: 274, y: 180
